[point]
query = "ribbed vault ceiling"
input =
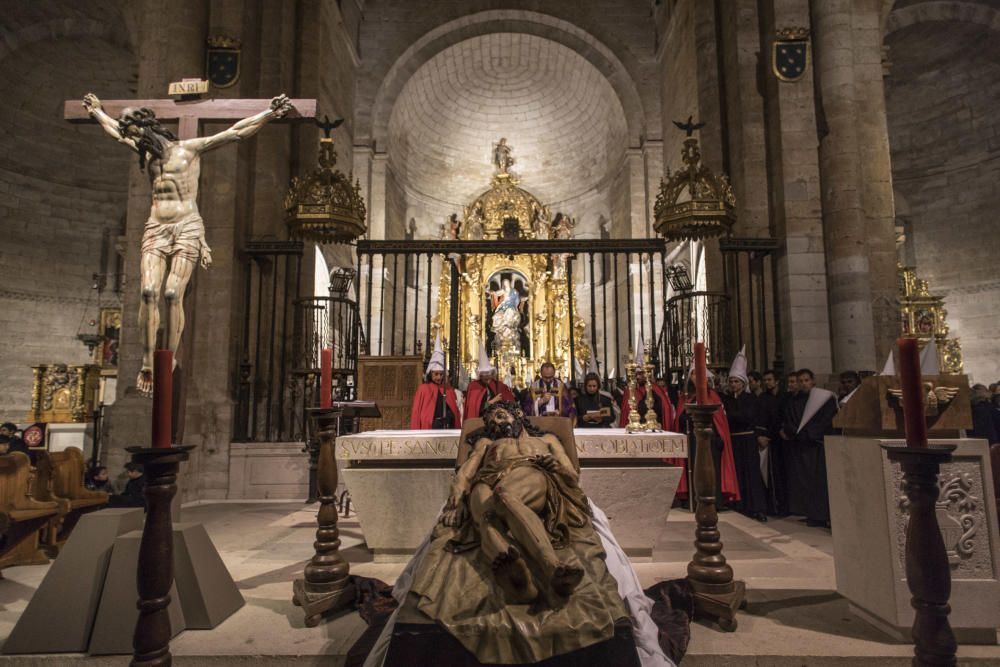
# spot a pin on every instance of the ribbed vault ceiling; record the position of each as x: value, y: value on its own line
x: 556, y: 109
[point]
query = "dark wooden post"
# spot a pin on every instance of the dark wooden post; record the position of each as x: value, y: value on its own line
x: 716, y: 594
x: 928, y: 574
x: 325, y: 586
x: 155, y: 574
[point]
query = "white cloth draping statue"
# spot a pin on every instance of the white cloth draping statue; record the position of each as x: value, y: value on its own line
x: 174, y: 231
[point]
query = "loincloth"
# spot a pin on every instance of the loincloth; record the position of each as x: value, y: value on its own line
x: 566, y: 505
x: 182, y: 238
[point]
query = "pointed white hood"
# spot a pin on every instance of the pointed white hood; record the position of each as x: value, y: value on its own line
x: 890, y: 366
x: 739, y: 368
x: 640, y: 352
x: 929, y: 364
x: 817, y: 399
x: 437, y: 358
x: 485, y: 366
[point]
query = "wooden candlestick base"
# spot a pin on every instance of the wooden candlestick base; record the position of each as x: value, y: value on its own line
x: 155, y: 572
x: 928, y: 574
x: 716, y: 594
x: 326, y: 585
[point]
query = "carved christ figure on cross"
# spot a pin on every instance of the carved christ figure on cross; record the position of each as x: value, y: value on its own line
x: 174, y: 230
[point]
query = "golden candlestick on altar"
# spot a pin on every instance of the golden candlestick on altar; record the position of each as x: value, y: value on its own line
x: 633, y: 426
x: 652, y: 421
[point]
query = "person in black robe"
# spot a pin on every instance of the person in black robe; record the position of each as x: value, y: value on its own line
x: 134, y: 493
x: 14, y: 442
x: 983, y: 423
x: 791, y: 405
x: 806, y: 454
x: 594, y: 408
x: 740, y: 406
x: 767, y: 425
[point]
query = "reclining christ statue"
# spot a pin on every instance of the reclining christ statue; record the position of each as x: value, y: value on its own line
x: 514, y: 569
x: 174, y: 230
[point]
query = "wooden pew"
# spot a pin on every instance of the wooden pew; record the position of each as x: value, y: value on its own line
x: 995, y: 464
x: 59, y: 478
x: 21, y: 516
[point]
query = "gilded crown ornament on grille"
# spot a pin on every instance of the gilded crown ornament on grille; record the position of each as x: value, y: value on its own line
x: 694, y: 203
x: 324, y: 206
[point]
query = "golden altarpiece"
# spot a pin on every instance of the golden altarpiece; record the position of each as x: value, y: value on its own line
x: 923, y: 316
x: 517, y: 305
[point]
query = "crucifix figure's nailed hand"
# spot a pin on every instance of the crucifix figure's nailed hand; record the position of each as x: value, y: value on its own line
x: 173, y: 242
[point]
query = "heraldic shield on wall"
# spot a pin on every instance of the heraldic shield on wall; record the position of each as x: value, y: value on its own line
x: 790, y: 56
x: 222, y: 61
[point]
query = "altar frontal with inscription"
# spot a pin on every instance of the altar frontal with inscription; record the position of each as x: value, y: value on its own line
x: 399, y: 480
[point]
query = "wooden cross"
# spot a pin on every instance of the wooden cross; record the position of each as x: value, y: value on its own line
x: 189, y: 114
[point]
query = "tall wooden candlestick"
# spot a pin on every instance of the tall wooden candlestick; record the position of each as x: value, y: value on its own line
x: 325, y: 586
x: 928, y: 573
x: 716, y: 594
x: 326, y: 378
x: 155, y: 570
x: 700, y: 374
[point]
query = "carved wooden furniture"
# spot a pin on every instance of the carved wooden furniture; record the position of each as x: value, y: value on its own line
x: 716, y: 594
x: 59, y: 478
x: 64, y: 393
x: 875, y: 410
x: 325, y: 586
x: 21, y: 516
x: 390, y: 382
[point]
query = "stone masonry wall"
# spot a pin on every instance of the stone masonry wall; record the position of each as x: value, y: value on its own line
x: 942, y: 95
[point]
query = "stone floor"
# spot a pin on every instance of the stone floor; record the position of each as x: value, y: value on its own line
x: 793, y: 618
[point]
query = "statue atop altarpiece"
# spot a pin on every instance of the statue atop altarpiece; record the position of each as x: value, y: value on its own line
x: 174, y: 231
x: 502, y: 158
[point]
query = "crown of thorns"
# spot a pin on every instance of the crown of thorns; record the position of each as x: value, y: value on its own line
x: 509, y: 406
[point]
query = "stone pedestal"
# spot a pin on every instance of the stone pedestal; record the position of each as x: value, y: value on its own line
x: 868, y: 514
x: 399, y: 480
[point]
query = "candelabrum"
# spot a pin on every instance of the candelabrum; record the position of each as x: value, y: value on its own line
x: 326, y: 584
x: 716, y: 594
x: 634, y: 424
x: 652, y: 421
x: 155, y: 572
x: 928, y: 574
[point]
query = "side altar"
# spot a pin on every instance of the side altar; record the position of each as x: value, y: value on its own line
x: 400, y: 480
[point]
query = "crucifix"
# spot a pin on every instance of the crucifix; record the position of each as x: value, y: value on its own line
x: 173, y: 242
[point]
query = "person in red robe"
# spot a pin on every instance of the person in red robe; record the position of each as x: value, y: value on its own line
x: 661, y: 402
x: 434, y: 405
x: 485, y: 390
x: 726, y: 484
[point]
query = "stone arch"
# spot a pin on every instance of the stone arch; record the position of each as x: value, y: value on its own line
x: 66, y: 186
x: 52, y: 21
x: 941, y: 11
x: 493, y: 21
x: 941, y: 92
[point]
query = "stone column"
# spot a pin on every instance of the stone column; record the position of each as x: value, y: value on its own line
x: 793, y: 171
x: 226, y: 201
x: 744, y: 101
x: 171, y: 46
x: 856, y: 177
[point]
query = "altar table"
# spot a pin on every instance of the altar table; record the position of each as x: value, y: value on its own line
x: 399, y: 480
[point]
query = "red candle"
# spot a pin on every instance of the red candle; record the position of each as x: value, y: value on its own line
x: 163, y: 397
x: 326, y: 378
x: 700, y: 374
x: 913, y: 392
